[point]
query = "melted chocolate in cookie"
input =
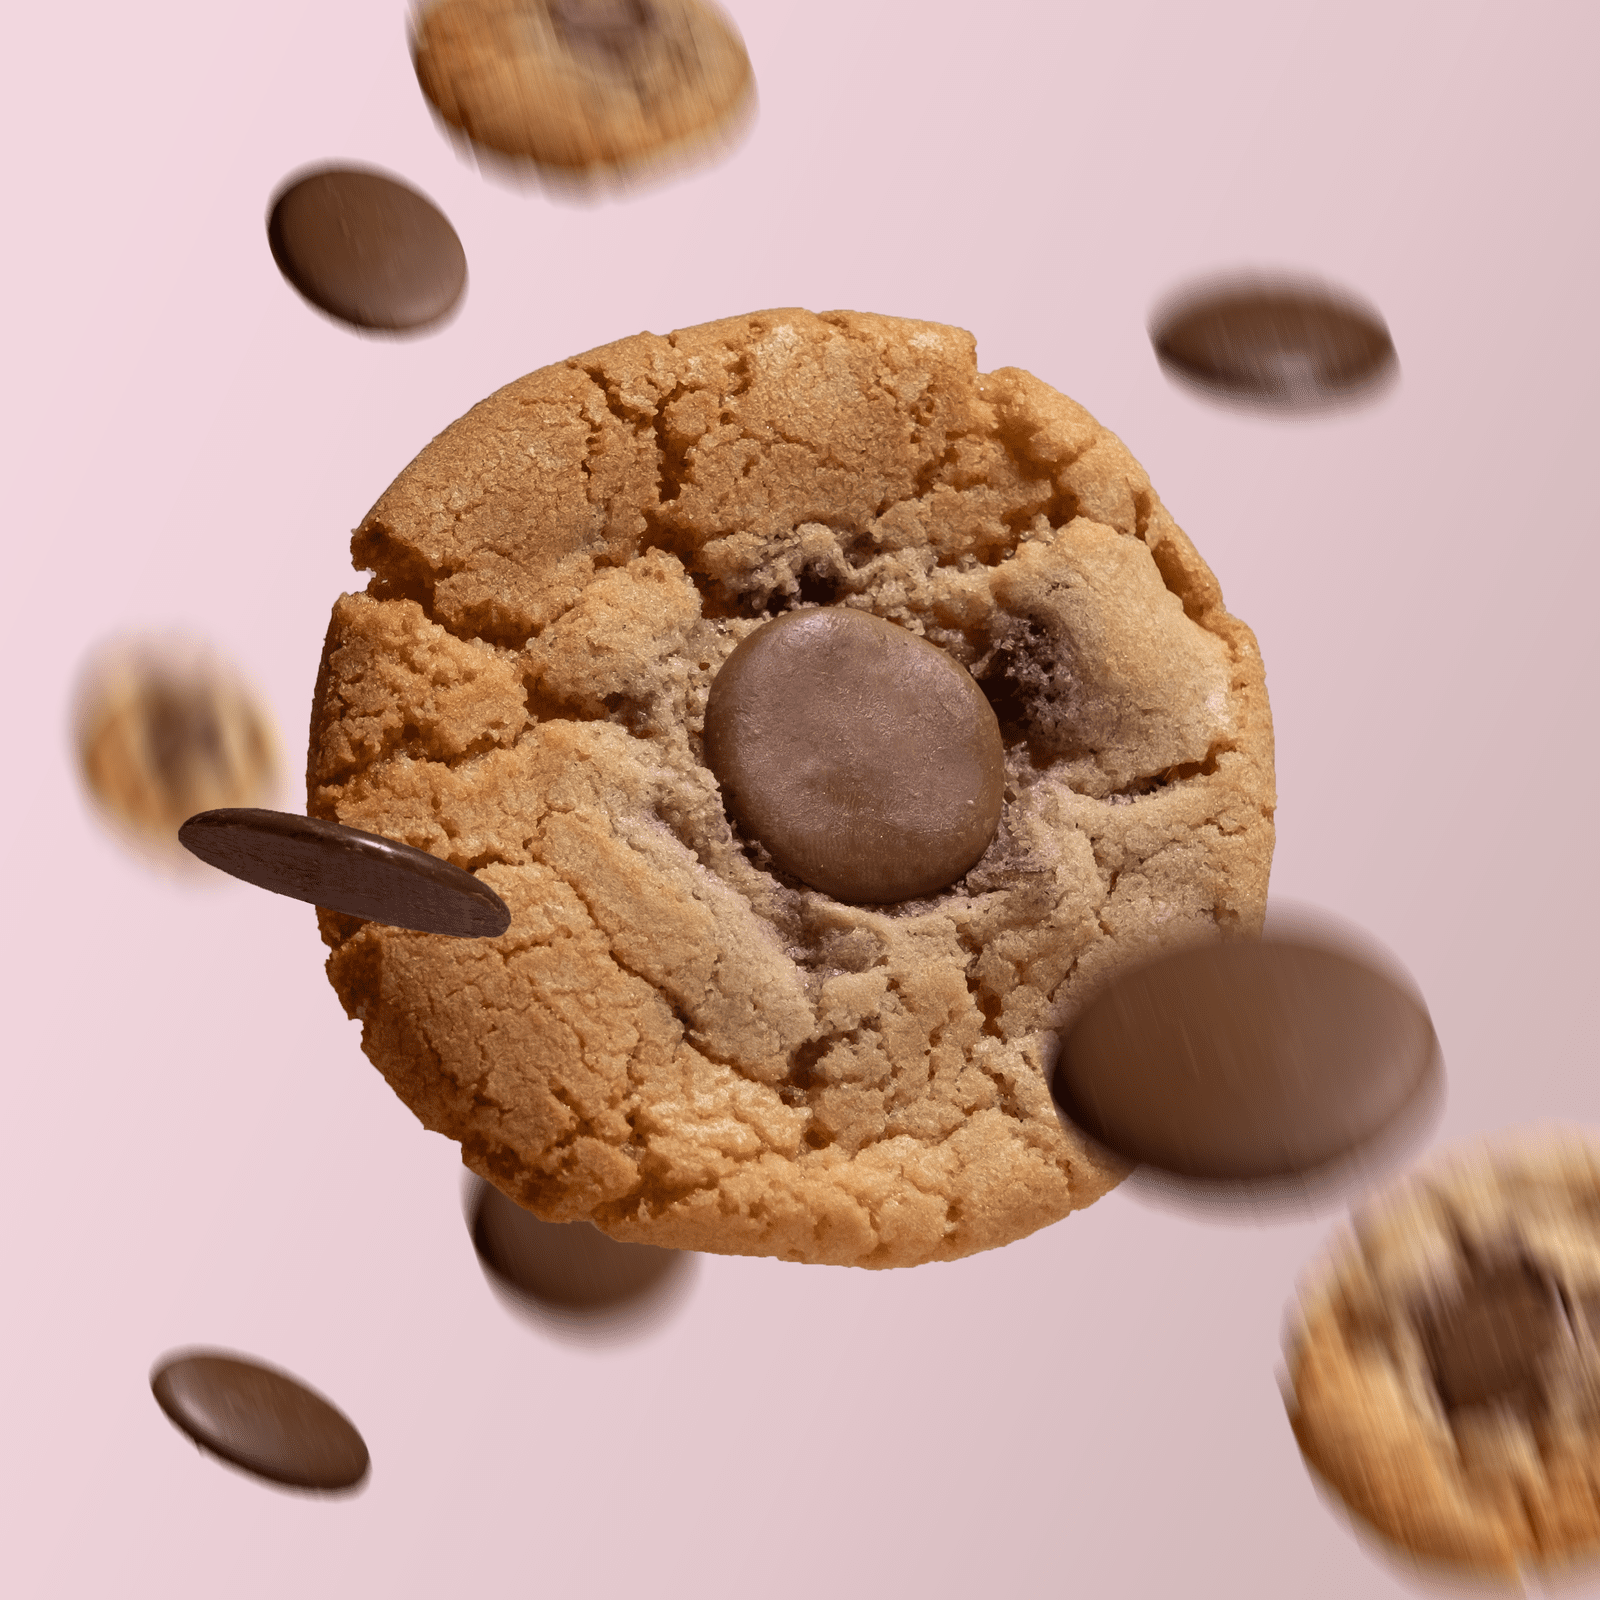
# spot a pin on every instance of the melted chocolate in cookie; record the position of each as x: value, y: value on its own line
x: 343, y: 869
x: 1488, y: 1344
x: 1289, y: 346
x: 864, y: 759
x: 1245, y: 1061
x: 261, y: 1420
x: 603, y: 27
x: 368, y: 250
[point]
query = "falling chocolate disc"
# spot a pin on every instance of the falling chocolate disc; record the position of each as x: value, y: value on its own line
x: 261, y: 1420
x: 367, y: 249
x: 343, y: 869
x: 571, y: 1269
x: 1288, y: 346
x: 1487, y: 1345
x: 865, y: 759
x: 1243, y: 1060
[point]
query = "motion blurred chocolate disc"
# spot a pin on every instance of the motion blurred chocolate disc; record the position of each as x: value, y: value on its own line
x: 1244, y: 1061
x: 367, y: 249
x: 570, y: 1268
x: 1278, y: 344
x: 343, y: 869
x: 264, y: 1421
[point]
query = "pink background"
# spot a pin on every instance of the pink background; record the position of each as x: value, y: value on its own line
x: 195, y: 1150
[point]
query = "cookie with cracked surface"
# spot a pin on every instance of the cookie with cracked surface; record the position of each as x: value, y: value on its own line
x: 586, y: 86
x: 1444, y: 1363
x: 675, y: 1038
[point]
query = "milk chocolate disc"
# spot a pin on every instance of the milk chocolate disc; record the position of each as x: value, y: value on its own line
x: 570, y: 1271
x: 1274, y: 343
x: 1244, y: 1061
x: 264, y: 1421
x: 367, y: 249
x: 343, y: 869
x: 865, y: 759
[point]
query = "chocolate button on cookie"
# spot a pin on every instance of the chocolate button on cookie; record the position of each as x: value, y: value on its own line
x: 1279, y: 344
x: 1443, y: 1369
x: 345, y: 870
x: 264, y: 1421
x: 367, y: 249
x: 865, y: 759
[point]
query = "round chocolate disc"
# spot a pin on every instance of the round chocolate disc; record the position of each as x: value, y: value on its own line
x: 570, y: 1268
x: 1289, y: 346
x: 866, y: 760
x: 1246, y: 1060
x: 264, y: 1421
x: 343, y: 869
x: 367, y: 249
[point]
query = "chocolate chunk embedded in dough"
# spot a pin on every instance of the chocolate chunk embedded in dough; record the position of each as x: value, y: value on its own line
x: 1287, y: 346
x: 367, y: 249
x: 343, y: 869
x: 603, y: 27
x: 1487, y: 1344
x: 865, y: 759
x: 1242, y: 1061
x: 264, y: 1421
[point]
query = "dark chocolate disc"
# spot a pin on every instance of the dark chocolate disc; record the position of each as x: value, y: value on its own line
x: 367, y: 249
x: 1289, y: 346
x: 1243, y: 1061
x: 865, y: 759
x: 264, y: 1421
x: 343, y: 869
x: 1487, y: 1344
x: 571, y: 1269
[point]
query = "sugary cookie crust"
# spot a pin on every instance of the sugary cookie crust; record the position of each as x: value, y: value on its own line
x: 672, y: 1039
x: 500, y: 71
x: 1488, y: 1489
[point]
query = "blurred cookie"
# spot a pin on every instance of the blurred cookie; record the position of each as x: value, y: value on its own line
x: 166, y: 728
x: 585, y: 86
x: 1445, y: 1363
x: 678, y: 1038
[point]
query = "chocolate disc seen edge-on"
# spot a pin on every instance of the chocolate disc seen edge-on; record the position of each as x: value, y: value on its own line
x: 263, y: 1421
x: 866, y: 760
x: 367, y: 249
x: 1243, y: 1061
x: 1283, y: 345
x: 343, y: 869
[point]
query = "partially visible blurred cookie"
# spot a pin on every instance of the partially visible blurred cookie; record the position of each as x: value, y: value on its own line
x: 1445, y: 1364
x: 166, y: 728
x: 586, y: 86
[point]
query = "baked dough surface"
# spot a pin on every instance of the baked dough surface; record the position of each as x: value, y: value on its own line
x: 673, y: 1039
x: 1489, y: 1488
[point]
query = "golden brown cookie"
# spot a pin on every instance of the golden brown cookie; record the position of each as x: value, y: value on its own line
x: 166, y: 728
x: 1445, y: 1361
x: 585, y: 85
x: 675, y: 1039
